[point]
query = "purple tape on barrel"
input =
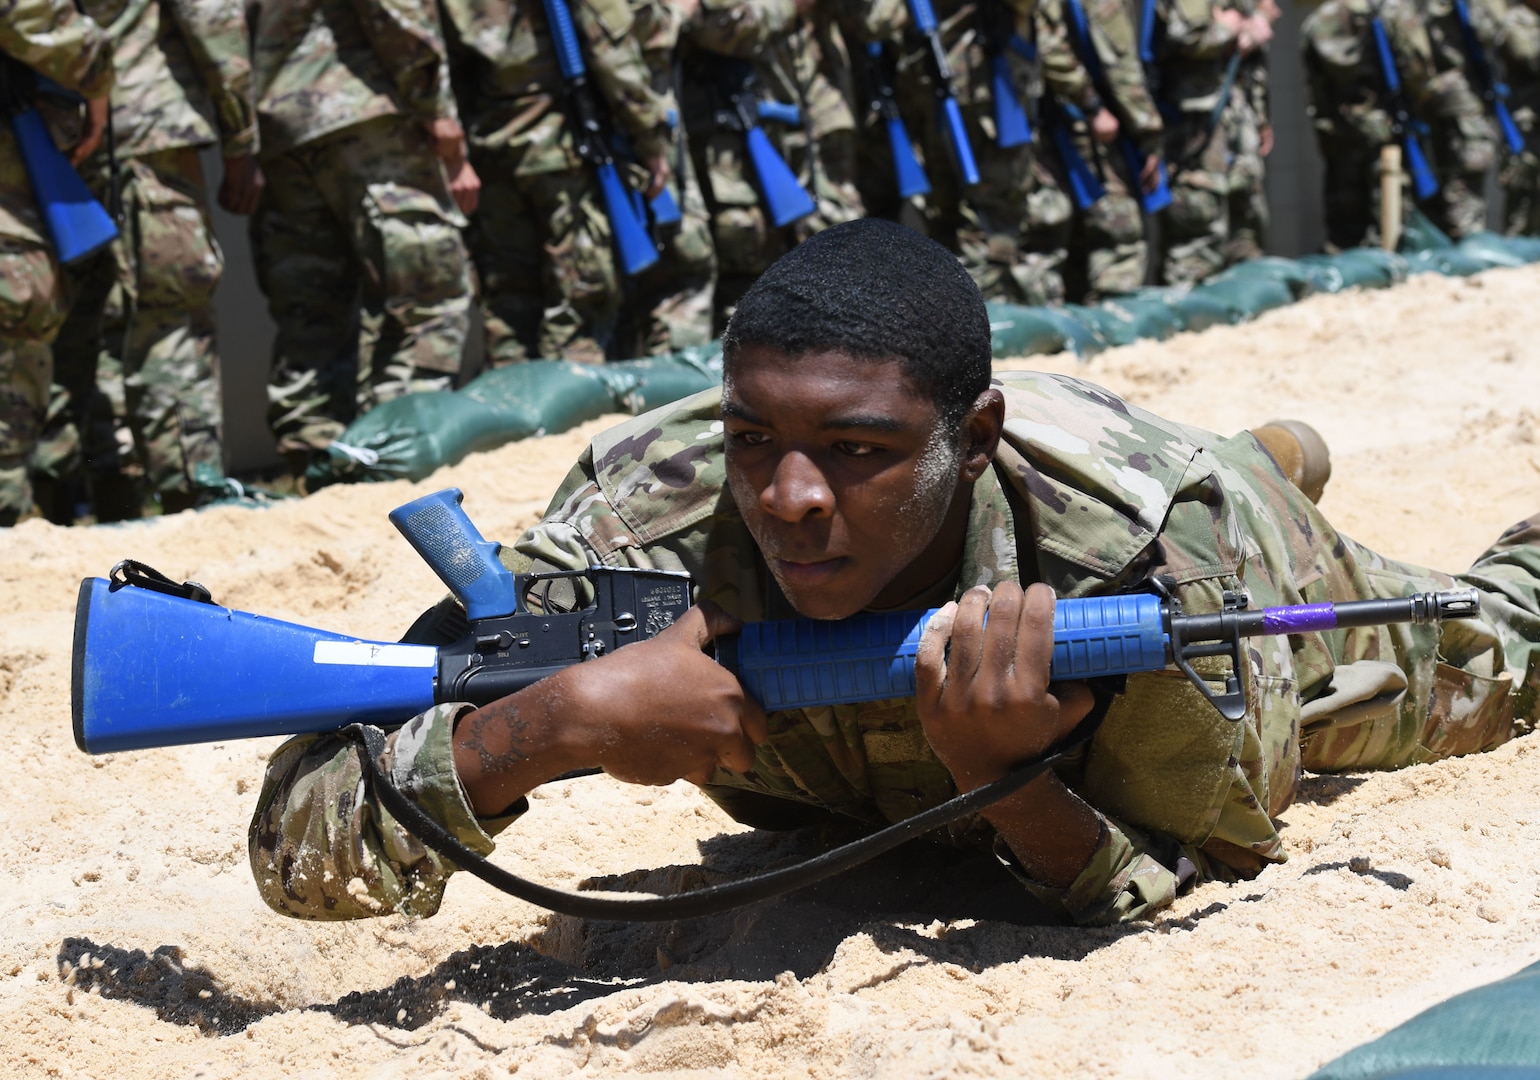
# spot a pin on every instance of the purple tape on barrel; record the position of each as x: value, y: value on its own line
x: 1297, y: 620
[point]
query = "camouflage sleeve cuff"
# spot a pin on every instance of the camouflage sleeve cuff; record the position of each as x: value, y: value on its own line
x: 1119, y: 884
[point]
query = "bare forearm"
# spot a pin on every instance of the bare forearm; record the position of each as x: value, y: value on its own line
x: 503, y: 751
x: 1051, y: 830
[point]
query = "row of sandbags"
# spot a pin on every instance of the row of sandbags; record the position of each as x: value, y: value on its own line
x: 412, y: 436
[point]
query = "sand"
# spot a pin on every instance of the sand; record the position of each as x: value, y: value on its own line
x: 132, y: 943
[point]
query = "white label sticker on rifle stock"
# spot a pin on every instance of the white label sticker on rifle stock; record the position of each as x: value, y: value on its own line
x: 374, y: 654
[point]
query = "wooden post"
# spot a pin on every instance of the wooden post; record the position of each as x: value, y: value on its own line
x: 1390, y: 196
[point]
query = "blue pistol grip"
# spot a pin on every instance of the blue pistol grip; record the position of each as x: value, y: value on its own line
x: 778, y: 112
x: 437, y: 528
x: 803, y: 663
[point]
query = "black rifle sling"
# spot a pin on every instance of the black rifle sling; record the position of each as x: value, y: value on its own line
x: 713, y: 899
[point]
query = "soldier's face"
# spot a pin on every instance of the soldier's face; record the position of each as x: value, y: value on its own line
x: 844, y: 477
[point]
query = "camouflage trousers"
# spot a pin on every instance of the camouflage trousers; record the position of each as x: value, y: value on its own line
x: 1246, y: 184
x: 1464, y: 149
x: 356, y: 230
x: 747, y: 240
x: 32, y: 308
x: 137, y: 381
x: 1520, y: 182
x: 1101, y: 248
x: 1196, y: 230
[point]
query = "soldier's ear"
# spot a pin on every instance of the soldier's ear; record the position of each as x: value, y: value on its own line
x: 981, y: 430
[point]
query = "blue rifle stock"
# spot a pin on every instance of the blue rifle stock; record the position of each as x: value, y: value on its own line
x: 156, y: 664
x: 1011, y: 125
x: 1157, y: 199
x: 632, y: 241
x: 1424, y: 184
x: 908, y: 173
x: 1084, y: 187
x: 1493, y: 91
x: 77, y: 224
x: 924, y: 17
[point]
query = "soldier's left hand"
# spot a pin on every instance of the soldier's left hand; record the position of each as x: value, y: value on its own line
x: 94, y: 128
x: 1149, y: 175
x: 658, y: 172
x: 241, y: 188
x: 982, y: 686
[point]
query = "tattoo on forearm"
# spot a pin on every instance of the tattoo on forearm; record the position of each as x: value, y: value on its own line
x: 498, y: 738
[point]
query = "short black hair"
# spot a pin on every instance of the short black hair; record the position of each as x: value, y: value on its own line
x: 875, y: 290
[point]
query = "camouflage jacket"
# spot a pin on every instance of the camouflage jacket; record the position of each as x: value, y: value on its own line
x: 55, y: 40
x: 1191, y: 49
x: 1517, y: 41
x: 1125, y: 90
x: 509, y: 84
x: 184, y: 75
x: 1454, y: 92
x: 1088, y: 494
x: 1346, y: 87
x: 324, y: 65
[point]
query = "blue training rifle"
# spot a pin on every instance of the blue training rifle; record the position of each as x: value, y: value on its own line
x: 785, y: 197
x: 908, y: 173
x: 621, y: 204
x: 1492, y: 89
x: 77, y: 223
x: 1403, y: 125
x: 940, y: 70
x: 156, y: 663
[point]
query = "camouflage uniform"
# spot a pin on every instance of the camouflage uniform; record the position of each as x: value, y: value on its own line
x: 541, y: 241
x: 1192, y: 50
x: 1514, y: 32
x: 1103, y: 245
x: 1348, y: 107
x: 356, y: 203
x: 136, y: 361
x: 791, y: 58
x: 1463, y: 139
x: 1245, y: 117
x: 53, y: 39
x: 669, y: 306
x: 1088, y: 494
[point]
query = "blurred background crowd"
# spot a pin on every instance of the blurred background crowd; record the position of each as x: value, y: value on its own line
x: 594, y: 180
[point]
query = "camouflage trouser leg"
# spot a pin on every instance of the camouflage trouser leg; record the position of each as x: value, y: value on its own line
x: 1465, y: 150
x: 1109, y: 255
x: 1247, y: 182
x: 986, y: 224
x: 1050, y: 225
x: 1520, y: 180
x: 1350, y: 192
x: 544, y: 252
x: 745, y: 239
x: 668, y: 306
x: 1197, y: 225
x: 361, y: 216
x: 31, y: 311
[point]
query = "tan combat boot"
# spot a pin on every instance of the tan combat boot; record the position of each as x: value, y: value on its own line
x: 1300, y: 452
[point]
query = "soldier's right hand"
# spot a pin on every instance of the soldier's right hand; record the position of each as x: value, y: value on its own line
x: 1104, y: 126
x: 651, y: 713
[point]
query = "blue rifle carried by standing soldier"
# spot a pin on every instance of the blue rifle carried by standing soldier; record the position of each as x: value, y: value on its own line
x: 1012, y: 127
x: 1085, y: 188
x: 1493, y: 90
x: 923, y: 17
x: 1405, y: 127
x: 744, y: 109
x: 77, y: 223
x: 907, y: 170
x: 1159, y: 197
x: 622, y: 205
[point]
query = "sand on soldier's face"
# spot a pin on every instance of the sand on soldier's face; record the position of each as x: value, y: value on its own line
x: 133, y: 944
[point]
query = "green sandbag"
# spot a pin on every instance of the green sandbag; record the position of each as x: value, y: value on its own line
x: 1497, y: 1025
x: 542, y: 395
x: 1246, y: 298
x: 1143, y: 318
x: 1450, y: 262
x: 408, y: 437
x: 638, y: 385
x: 1199, y: 311
x: 1498, y: 250
x: 1362, y: 268
x: 1034, y: 331
x: 1297, y: 276
x: 1420, y: 234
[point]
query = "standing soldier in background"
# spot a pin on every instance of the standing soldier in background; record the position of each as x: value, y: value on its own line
x: 1103, y: 245
x: 543, y: 248
x: 136, y: 364
x: 1248, y: 130
x: 54, y: 40
x: 668, y: 306
x: 765, y: 52
x: 358, y: 129
x: 1350, y: 107
x: 1462, y: 137
x: 1519, y: 174
x: 1195, y: 47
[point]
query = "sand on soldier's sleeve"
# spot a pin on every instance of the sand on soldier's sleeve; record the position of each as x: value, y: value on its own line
x: 133, y: 944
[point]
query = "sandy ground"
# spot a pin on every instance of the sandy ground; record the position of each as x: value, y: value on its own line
x: 132, y: 943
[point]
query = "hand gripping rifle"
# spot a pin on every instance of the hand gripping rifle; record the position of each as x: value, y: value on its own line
x: 940, y: 70
x: 76, y: 222
x: 1150, y: 202
x: 1403, y: 124
x: 158, y: 664
x: 621, y: 205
